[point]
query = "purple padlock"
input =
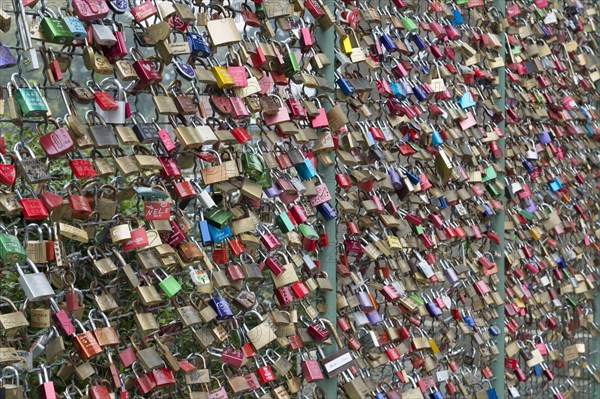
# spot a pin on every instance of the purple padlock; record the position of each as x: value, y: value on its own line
x: 374, y: 317
x: 544, y: 137
x: 272, y: 192
x: 531, y: 206
x: 364, y: 301
x: 395, y: 178
x: 451, y: 275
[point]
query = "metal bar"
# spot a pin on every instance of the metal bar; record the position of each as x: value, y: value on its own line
x: 497, y: 365
x: 328, y: 255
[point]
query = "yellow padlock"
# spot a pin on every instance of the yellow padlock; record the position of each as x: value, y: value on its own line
x: 346, y: 45
x: 223, y: 77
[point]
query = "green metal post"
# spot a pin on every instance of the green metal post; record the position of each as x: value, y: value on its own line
x: 595, y: 349
x: 328, y: 256
x: 497, y: 365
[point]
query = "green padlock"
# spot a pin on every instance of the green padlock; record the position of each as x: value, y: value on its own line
x: 283, y: 221
x: 308, y: 231
x: 408, y: 24
x: 11, y: 249
x: 252, y: 164
x: 30, y: 100
x: 417, y: 299
x: 218, y: 217
x: 168, y: 284
x: 489, y: 174
x: 526, y: 214
x: 291, y: 63
x: 265, y: 179
x: 419, y: 230
x: 492, y: 189
x: 55, y: 29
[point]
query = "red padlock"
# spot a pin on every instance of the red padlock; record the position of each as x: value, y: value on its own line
x: 80, y: 207
x: 163, y: 377
x: 145, y: 382
x: 103, y: 99
x: 57, y: 142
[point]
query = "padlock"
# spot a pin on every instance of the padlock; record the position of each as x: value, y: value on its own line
x: 45, y: 389
x: 35, y: 285
x: 30, y: 100
x: 85, y: 343
x: 55, y: 29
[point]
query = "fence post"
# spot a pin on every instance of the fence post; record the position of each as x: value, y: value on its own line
x: 328, y: 255
x: 498, y: 225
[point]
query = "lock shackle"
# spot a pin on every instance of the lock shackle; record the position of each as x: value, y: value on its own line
x: 26, y: 233
x: 115, y: 82
x: 20, y: 148
x: 15, y: 77
x: 91, y: 115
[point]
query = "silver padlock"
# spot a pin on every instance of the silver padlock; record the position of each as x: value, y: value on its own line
x: 35, y: 285
x: 117, y: 116
x: 204, y: 197
x: 103, y: 35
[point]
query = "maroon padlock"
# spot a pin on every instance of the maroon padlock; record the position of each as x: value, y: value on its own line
x: 284, y: 295
x: 163, y: 376
x: 311, y: 370
x: 145, y: 383
x: 56, y: 143
x: 274, y: 265
x: 318, y: 332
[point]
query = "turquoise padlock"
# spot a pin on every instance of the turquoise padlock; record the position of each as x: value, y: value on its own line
x: 466, y: 100
x: 554, y: 185
x: 306, y: 170
x: 436, y: 138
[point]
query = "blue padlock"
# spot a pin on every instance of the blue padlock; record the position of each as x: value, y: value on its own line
x: 491, y: 393
x: 204, y: 229
x: 306, y: 170
x: 402, y: 91
x: 528, y: 165
x: 198, y: 44
x: 442, y: 203
x: 221, y: 307
x: 468, y: 319
x: 433, y: 309
x: 435, y: 394
x: 75, y: 25
x: 412, y: 176
x: 380, y: 395
x: 487, y: 211
x: 537, y: 370
x: 184, y: 70
x: 344, y: 85
x: 561, y: 262
x: 418, y: 93
x: 420, y: 43
x: 494, y: 330
x: 457, y: 17
x: 219, y: 235
x: 327, y: 211
x: 387, y: 42
x: 395, y: 89
x: 466, y: 100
